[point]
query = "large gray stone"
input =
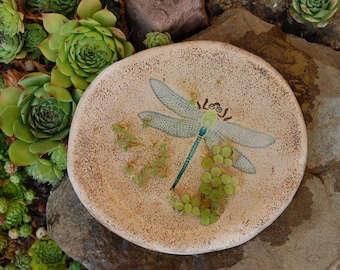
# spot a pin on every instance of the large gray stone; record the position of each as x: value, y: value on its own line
x: 307, y: 234
x: 179, y: 18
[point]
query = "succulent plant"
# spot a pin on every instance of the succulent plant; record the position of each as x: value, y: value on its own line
x: 83, y: 47
x: 58, y: 157
x: 34, y: 34
x: 14, y: 214
x: 317, y: 12
x: 64, y: 7
x: 39, y: 117
x: 154, y: 39
x: 25, y: 230
x: 4, y: 203
x: 12, y: 191
x: 10, y: 48
x: 44, y: 171
x: 22, y: 260
x: 11, y: 21
x: 46, y: 254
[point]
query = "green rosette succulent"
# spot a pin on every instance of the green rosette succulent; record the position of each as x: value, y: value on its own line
x: 83, y: 47
x: 64, y: 7
x: 154, y: 39
x: 39, y: 117
x: 10, y: 48
x: 317, y: 12
x: 12, y: 191
x: 44, y: 171
x: 22, y: 260
x: 34, y: 34
x: 14, y: 214
x: 58, y: 157
x: 47, y: 255
x: 11, y: 21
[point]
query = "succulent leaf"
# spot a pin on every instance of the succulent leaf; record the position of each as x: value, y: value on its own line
x: 53, y: 22
x: 87, y: 8
x: 20, y: 155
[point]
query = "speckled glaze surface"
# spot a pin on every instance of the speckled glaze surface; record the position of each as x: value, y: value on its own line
x: 257, y: 97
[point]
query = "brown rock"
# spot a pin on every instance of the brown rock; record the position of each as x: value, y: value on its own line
x: 179, y: 18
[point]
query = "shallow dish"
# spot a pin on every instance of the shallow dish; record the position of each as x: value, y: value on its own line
x: 260, y: 119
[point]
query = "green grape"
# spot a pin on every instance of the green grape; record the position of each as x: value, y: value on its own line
x: 215, y: 196
x: 226, y: 178
x: 196, y: 211
x: 206, y: 177
x: 179, y: 206
x: 185, y: 198
x: 207, y: 163
x: 228, y: 162
x: 216, y: 181
x: 229, y: 189
x: 215, y: 171
x: 205, y: 212
x: 235, y: 181
x: 205, y: 221
x: 216, y: 149
x: 218, y: 159
x: 226, y: 151
x: 213, y: 218
x: 195, y: 201
x: 205, y: 188
x: 220, y: 189
x: 187, y: 208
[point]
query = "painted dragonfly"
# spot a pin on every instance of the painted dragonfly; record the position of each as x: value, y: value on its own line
x: 203, y: 125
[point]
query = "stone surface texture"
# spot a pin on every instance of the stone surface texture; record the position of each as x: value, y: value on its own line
x: 307, y: 234
x: 179, y: 18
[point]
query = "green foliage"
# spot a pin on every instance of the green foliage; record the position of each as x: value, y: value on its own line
x: 83, y: 47
x: 154, y: 39
x: 34, y: 34
x: 11, y: 20
x: 44, y: 171
x: 124, y: 139
x: 47, y: 255
x: 317, y: 12
x: 216, y: 185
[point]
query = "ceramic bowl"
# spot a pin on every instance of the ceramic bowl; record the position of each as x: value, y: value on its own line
x: 162, y: 97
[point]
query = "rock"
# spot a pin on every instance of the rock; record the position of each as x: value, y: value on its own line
x: 306, y: 235
x: 179, y: 18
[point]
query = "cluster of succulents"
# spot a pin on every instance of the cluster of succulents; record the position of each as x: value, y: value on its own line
x: 11, y: 30
x: 317, y: 12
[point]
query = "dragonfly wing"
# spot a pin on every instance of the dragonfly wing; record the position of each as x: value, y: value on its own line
x: 173, y: 101
x: 242, y: 135
x: 182, y: 128
x: 240, y: 161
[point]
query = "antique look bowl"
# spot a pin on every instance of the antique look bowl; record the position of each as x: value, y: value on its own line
x: 159, y: 96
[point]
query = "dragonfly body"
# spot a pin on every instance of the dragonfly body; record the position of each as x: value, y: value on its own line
x: 204, y: 125
x: 208, y: 120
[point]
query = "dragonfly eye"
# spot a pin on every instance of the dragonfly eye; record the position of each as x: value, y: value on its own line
x: 211, y: 106
x: 218, y: 109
